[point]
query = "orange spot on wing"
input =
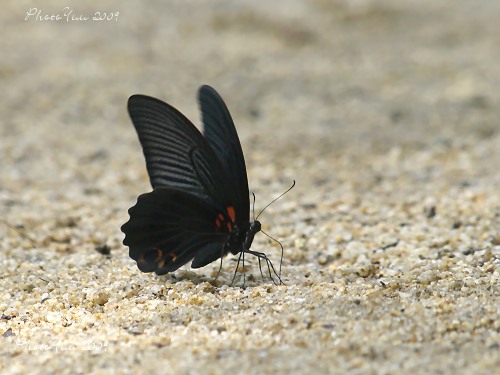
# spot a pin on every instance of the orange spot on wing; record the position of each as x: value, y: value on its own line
x: 154, y: 255
x: 159, y: 254
x: 222, y: 219
x: 231, y: 213
x: 218, y: 221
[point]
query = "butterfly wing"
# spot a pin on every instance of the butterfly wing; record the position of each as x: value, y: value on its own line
x: 177, y: 155
x: 169, y: 227
x: 221, y: 134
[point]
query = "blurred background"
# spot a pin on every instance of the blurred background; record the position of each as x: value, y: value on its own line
x: 304, y: 78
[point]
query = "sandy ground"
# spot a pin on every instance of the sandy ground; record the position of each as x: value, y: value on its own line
x: 385, y: 112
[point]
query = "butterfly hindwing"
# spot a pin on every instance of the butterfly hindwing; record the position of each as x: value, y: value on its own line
x: 168, y: 228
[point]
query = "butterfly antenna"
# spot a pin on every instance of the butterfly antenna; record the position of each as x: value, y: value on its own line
x: 275, y: 199
x: 282, y: 251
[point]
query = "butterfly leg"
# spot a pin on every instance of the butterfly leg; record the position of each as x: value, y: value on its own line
x: 218, y: 272
x: 260, y: 269
x: 260, y: 256
x: 270, y: 266
x: 237, y: 266
x: 282, y: 250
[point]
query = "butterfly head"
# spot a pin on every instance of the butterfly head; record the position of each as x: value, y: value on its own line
x: 253, y: 229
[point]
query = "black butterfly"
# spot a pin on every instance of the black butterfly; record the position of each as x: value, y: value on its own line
x: 199, y: 208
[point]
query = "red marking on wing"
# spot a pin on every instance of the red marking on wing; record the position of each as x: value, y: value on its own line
x: 231, y: 213
x: 159, y: 254
x: 156, y: 252
x: 221, y: 219
x: 218, y: 221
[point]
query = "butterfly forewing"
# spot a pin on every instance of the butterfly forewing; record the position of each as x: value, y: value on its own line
x: 176, y: 153
x: 219, y: 131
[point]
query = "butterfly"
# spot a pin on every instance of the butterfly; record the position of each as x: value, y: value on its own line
x: 199, y: 209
